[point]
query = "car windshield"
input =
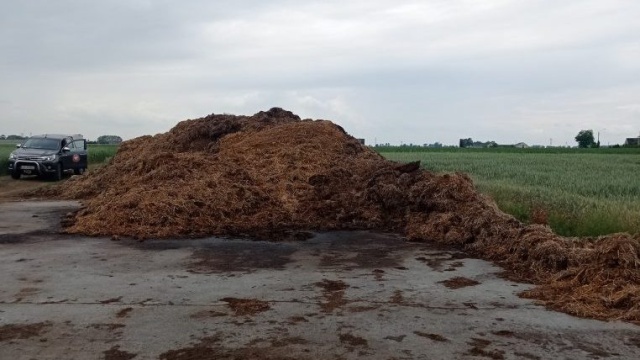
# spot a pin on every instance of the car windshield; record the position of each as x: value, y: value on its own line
x: 41, y: 143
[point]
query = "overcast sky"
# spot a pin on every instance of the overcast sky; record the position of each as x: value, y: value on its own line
x: 388, y: 71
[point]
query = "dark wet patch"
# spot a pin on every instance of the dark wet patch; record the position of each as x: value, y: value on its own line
x: 244, y: 307
x: 479, y: 348
x: 116, y: 354
x: 378, y: 274
x: 523, y: 355
x: 437, y: 260
x: 363, y: 258
x: 505, y: 333
x: 23, y: 331
x: 357, y: 309
x: 352, y: 340
x: 350, y: 250
x: 27, y: 291
x: 205, y: 314
x: 434, y: 337
x: 595, y: 351
x: 124, y: 312
x: 397, y: 297
x: 108, y: 327
x: 295, y: 340
x: 62, y: 301
x: 470, y: 305
x: 112, y: 300
x: 333, y: 293
x: 454, y: 265
x: 503, y: 306
x: 30, y: 236
x: 359, y: 249
x: 633, y: 341
x: 398, y: 338
x: 296, y: 320
x: 458, y: 282
x: 229, y: 256
x: 48, y: 218
x: 210, y: 348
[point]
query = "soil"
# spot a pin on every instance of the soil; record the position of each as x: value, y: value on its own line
x: 397, y: 297
x: 459, y: 282
x: 23, y: 331
x: 434, y: 337
x: 210, y: 349
x: 13, y: 190
x: 246, y: 307
x: 116, y: 354
x: 352, y: 340
x: 479, y: 348
x: 274, y: 176
x: 124, y: 312
x: 333, y: 293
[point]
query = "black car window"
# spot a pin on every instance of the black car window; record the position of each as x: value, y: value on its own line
x: 41, y: 143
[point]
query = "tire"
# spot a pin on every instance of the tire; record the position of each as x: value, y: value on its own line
x: 58, y: 174
x: 15, y: 175
x: 78, y: 171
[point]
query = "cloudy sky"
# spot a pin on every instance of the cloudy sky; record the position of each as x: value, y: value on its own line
x: 388, y: 71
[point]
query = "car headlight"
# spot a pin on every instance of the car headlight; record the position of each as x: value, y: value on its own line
x: 49, y: 158
x: 12, y: 156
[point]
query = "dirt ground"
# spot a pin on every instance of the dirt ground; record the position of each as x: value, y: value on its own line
x: 337, y: 295
x: 11, y: 189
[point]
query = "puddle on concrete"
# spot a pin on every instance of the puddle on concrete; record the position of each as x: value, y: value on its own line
x: 337, y: 249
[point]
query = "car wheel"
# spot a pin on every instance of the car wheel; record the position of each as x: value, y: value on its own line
x: 58, y: 174
x: 78, y: 171
x: 15, y: 175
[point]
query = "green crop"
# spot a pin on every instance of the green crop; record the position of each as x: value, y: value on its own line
x: 587, y: 192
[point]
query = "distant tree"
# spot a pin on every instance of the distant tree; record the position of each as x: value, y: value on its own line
x: 585, y: 139
x: 109, y: 139
x: 2, y: 137
x: 15, y: 137
x: 466, y: 142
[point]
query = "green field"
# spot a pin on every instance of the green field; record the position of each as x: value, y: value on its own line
x: 581, y: 192
x: 97, y: 154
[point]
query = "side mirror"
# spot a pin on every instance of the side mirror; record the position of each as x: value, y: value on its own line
x: 65, y: 149
x: 18, y: 145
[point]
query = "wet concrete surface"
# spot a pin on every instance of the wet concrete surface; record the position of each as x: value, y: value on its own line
x: 339, y: 295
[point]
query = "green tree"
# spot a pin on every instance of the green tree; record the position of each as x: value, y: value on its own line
x: 585, y: 139
x: 466, y: 142
x: 109, y: 139
x: 15, y: 137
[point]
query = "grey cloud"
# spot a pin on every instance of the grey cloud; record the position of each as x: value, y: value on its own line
x: 414, y: 71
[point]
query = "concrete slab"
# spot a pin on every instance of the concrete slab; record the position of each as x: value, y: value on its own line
x: 339, y: 295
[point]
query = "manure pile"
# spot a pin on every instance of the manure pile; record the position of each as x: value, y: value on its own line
x: 273, y: 176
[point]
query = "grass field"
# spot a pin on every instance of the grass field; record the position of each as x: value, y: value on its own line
x: 97, y: 154
x: 581, y: 192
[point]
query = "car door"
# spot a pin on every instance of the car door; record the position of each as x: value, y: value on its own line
x: 80, y: 157
x: 67, y: 156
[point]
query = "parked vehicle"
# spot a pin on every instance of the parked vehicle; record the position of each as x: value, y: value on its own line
x: 49, y: 155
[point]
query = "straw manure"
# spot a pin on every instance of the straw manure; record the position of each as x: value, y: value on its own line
x: 272, y: 174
